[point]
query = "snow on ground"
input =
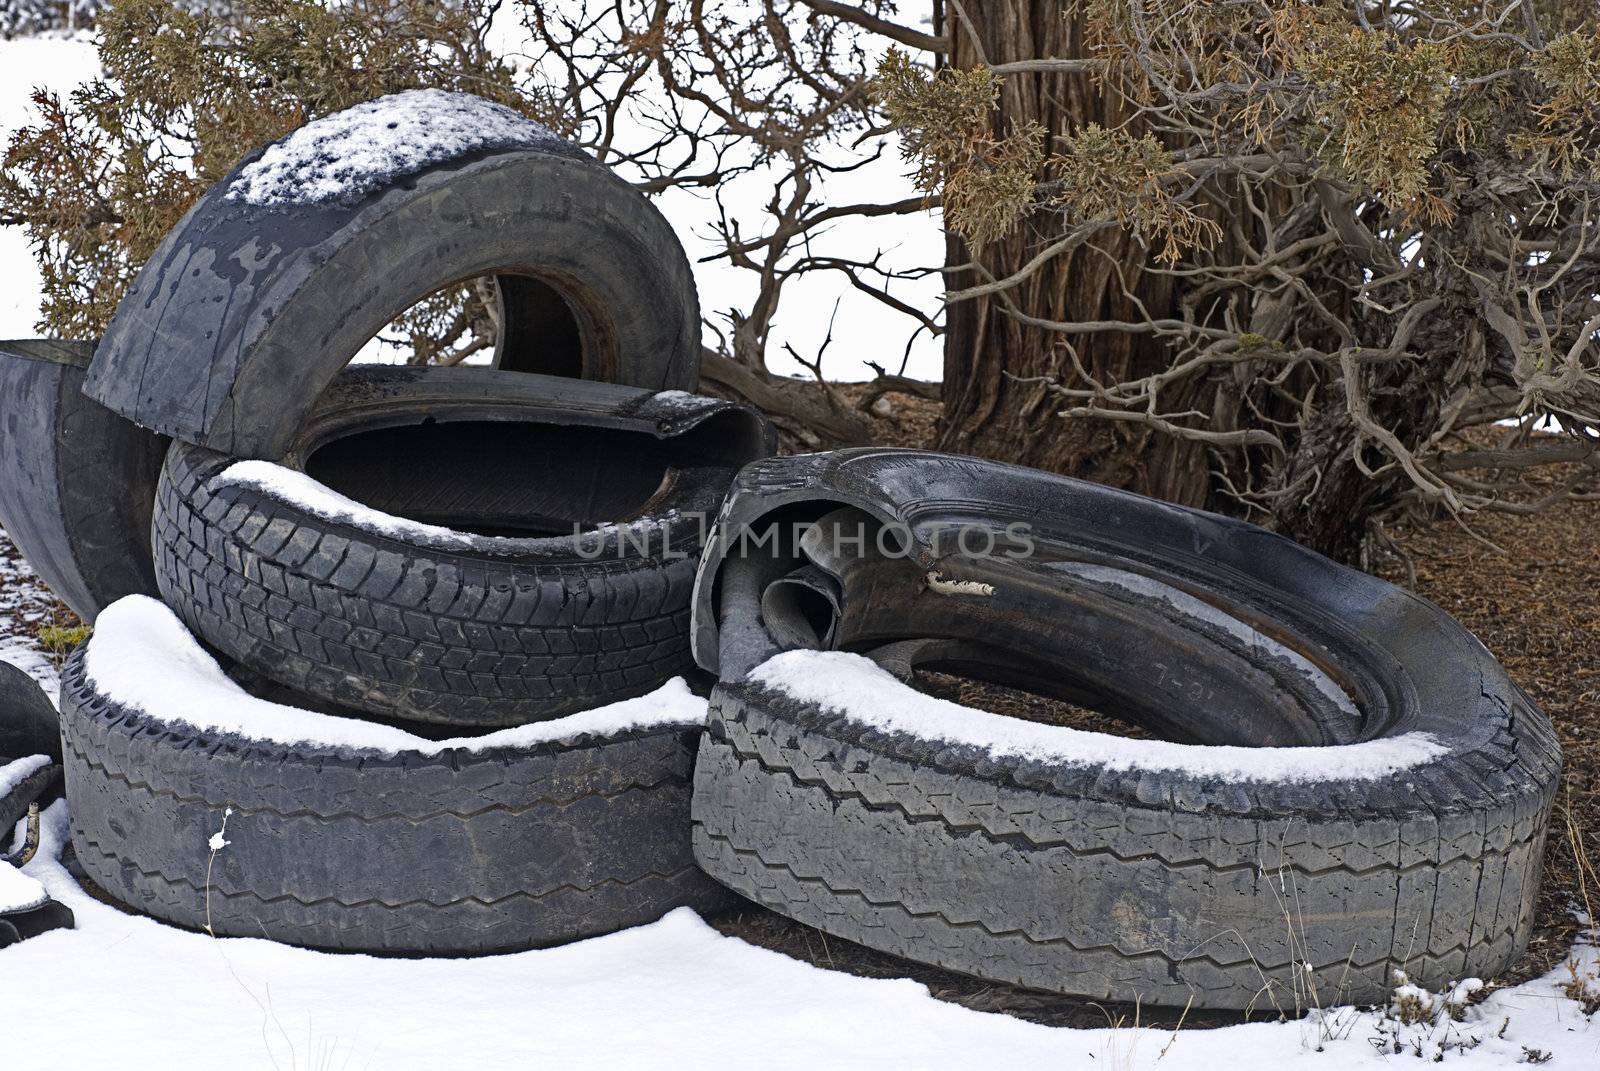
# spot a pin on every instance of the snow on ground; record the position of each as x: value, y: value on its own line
x: 24, y: 602
x: 862, y: 691
x: 123, y: 991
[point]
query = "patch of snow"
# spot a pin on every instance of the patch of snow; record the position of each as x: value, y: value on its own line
x: 673, y: 992
x: 219, y: 840
x: 142, y: 656
x: 18, y: 891
x: 298, y: 489
x: 682, y: 401
x: 347, y: 155
x: 25, y: 603
x: 13, y: 772
x: 857, y: 688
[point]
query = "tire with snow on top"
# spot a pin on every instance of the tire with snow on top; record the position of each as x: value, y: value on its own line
x: 285, y: 268
x: 25, y: 779
x: 76, y: 479
x: 457, y: 592
x: 30, y: 747
x: 203, y: 806
x: 1375, y: 796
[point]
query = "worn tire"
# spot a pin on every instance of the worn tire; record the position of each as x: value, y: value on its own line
x: 76, y: 480
x: 244, y: 313
x: 28, y: 721
x: 475, y: 631
x: 1144, y: 880
x: 343, y: 848
x: 18, y: 790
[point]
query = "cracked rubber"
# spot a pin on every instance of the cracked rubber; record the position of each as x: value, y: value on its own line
x: 1130, y: 884
x: 244, y: 314
x: 492, y: 632
x: 76, y: 480
x: 327, y: 847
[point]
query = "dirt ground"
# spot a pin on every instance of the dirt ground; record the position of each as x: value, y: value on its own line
x: 1529, y: 588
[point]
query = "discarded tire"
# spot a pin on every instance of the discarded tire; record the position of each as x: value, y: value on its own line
x: 1400, y: 823
x: 501, y: 617
x: 28, y: 722
x: 290, y: 264
x: 76, y: 479
x: 381, y: 841
x: 24, y: 779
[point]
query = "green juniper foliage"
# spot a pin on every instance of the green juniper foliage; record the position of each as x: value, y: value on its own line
x: 1359, y: 232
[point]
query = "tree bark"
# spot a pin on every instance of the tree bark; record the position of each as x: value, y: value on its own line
x: 986, y: 410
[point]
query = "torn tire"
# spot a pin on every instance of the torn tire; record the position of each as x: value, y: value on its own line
x: 1399, y: 822
x: 245, y: 312
x: 496, y: 613
x: 465, y: 848
x: 76, y: 480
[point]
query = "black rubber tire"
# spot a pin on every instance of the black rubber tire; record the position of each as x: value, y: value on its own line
x: 1158, y: 885
x: 28, y: 721
x: 499, y: 631
x: 76, y: 480
x: 39, y: 786
x: 20, y: 925
x: 338, y: 848
x: 243, y: 314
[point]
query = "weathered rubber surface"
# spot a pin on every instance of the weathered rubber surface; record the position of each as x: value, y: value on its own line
x: 76, y: 480
x: 498, y: 631
x: 39, y: 786
x: 336, y: 848
x: 28, y: 721
x: 18, y: 926
x: 244, y: 313
x: 1142, y: 884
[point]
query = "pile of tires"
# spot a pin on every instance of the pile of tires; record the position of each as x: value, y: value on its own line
x: 386, y: 659
x: 391, y: 659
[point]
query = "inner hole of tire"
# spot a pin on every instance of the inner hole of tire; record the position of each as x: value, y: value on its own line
x: 518, y: 323
x: 501, y: 478
x: 1029, y: 705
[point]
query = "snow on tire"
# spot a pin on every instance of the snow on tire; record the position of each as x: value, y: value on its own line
x: 290, y: 264
x: 1396, y: 818
x: 206, y: 807
x: 456, y: 591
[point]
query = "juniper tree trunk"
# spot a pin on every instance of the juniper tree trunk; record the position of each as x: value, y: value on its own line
x: 989, y: 409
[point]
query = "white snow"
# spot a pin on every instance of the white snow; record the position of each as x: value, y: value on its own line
x: 18, y: 892
x: 682, y: 401
x: 138, y: 632
x: 126, y: 992
x: 25, y: 603
x: 860, y: 690
x: 349, y: 154
x: 13, y: 772
x: 298, y: 489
